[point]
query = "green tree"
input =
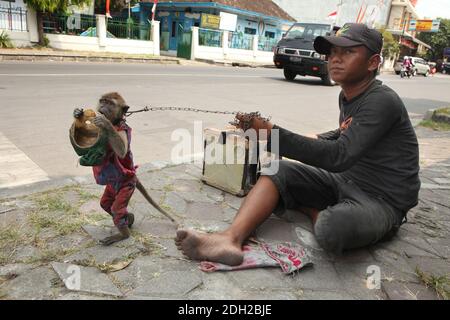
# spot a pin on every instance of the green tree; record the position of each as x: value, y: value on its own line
x: 51, y: 6
x: 437, y: 40
x: 115, y: 6
x: 391, y: 48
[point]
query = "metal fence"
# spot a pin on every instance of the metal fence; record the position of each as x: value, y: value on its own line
x: 267, y: 44
x: 238, y: 40
x: 14, y: 19
x: 76, y: 24
x: 210, y: 38
x: 128, y: 29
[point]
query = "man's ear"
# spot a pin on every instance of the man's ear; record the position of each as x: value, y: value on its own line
x: 374, y: 62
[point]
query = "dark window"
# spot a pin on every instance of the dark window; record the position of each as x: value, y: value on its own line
x: 174, y: 29
x: 270, y: 34
x: 250, y: 31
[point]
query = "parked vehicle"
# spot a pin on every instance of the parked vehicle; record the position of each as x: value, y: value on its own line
x: 420, y: 66
x: 295, y: 52
x: 446, y: 68
x: 398, y: 66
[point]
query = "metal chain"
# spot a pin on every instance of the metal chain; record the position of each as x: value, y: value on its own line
x: 245, y: 123
x: 180, y: 109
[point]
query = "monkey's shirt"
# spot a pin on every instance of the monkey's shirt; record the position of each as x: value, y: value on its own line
x: 115, y: 171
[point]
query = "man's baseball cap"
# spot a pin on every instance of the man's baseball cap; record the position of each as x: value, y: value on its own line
x: 351, y: 35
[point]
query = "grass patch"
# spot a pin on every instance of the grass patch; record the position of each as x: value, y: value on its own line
x: 147, y: 241
x: 441, y: 284
x: 11, y: 238
x: 443, y: 111
x: 52, y: 211
x: 437, y: 126
x: 85, y: 195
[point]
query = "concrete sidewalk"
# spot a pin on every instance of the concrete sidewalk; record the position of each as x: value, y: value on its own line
x: 48, y: 54
x: 44, y: 233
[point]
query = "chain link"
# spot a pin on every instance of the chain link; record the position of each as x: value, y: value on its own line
x: 245, y: 122
x: 187, y: 109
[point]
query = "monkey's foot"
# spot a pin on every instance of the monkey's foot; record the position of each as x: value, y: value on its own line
x: 124, y: 234
x: 115, y: 238
x: 130, y: 220
x: 216, y: 247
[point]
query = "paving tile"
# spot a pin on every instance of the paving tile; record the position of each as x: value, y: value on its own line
x: 90, y: 280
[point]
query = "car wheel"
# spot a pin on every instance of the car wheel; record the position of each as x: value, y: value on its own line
x: 397, y: 72
x: 328, y: 81
x: 289, y: 74
x: 444, y: 71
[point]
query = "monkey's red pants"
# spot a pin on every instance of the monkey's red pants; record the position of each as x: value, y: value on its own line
x: 115, y: 201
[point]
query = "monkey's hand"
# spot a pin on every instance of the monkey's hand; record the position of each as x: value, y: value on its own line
x: 102, y: 122
x: 78, y: 113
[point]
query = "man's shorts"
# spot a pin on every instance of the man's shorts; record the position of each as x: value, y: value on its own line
x: 349, y: 217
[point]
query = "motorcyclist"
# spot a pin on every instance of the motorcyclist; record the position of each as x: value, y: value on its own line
x: 407, y: 64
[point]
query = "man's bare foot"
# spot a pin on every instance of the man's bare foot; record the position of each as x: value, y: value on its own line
x: 217, y: 247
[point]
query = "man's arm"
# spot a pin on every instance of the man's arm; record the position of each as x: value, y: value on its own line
x: 368, y: 126
x: 330, y: 135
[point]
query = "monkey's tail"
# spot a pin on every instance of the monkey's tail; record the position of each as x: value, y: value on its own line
x: 144, y: 192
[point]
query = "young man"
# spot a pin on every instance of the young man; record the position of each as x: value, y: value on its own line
x: 356, y: 183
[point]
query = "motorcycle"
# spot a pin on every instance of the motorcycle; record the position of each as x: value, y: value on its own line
x: 406, y: 72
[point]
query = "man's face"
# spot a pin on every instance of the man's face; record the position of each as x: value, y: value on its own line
x: 350, y: 65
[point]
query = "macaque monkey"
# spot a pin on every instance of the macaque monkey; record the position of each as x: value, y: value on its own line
x: 117, y: 171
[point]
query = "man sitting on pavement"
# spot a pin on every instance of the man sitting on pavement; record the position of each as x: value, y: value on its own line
x: 357, y: 183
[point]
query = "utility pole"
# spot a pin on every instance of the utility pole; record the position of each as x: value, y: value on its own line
x: 339, y: 5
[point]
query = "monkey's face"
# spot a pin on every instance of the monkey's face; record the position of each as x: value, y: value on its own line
x: 112, y: 110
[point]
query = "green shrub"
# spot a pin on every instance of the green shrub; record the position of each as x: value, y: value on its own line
x: 5, y: 40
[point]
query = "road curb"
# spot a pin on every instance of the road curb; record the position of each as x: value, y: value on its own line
x: 43, y: 186
x: 226, y: 63
x: 82, y: 58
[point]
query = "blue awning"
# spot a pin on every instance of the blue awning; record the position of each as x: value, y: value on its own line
x: 213, y: 5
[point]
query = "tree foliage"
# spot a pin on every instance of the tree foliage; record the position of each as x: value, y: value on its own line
x: 51, y: 6
x: 391, y: 48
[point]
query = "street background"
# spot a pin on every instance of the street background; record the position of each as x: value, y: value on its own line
x: 37, y: 100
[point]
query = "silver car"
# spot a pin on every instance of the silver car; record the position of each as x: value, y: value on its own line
x: 421, y: 67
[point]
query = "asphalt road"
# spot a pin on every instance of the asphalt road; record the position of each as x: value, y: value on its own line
x: 37, y: 99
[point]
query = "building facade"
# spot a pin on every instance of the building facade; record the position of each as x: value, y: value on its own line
x: 244, y: 18
x: 374, y: 13
x: 393, y: 15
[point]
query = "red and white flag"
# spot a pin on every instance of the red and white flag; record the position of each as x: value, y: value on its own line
x: 332, y: 15
x: 154, y: 9
x: 108, y: 14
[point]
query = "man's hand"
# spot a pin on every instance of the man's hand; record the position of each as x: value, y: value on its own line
x: 78, y: 113
x: 103, y: 123
x: 249, y: 121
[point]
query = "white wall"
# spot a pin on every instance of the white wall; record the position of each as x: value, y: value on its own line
x: 226, y: 53
x: 76, y: 43
x: 19, y: 39
x: 128, y: 46
x: 92, y: 44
